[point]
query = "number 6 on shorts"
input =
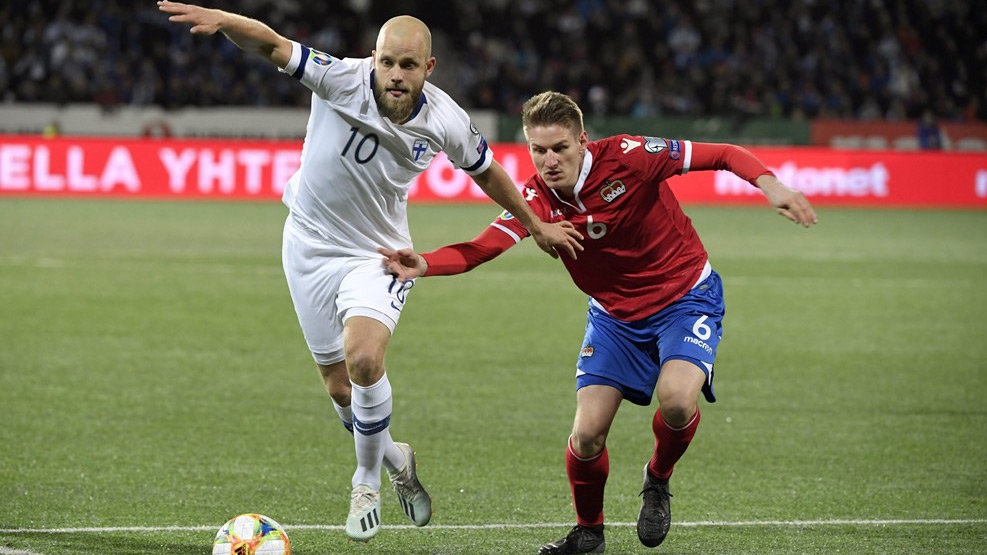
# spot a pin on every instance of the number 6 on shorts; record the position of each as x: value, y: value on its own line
x: 700, y: 329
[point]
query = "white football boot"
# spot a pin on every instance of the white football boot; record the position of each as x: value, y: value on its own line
x: 415, y: 502
x: 364, y: 520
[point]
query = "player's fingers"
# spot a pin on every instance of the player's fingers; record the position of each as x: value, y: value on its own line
x: 398, y: 273
x: 786, y: 213
x: 803, y: 217
x: 568, y: 249
x: 551, y: 251
x: 175, y: 6
x: 801, y: 209
x: 569, y: 228
x: 172, y: 7
x: 807, y: 215
x: 810, y: 215
x: 203, y: 29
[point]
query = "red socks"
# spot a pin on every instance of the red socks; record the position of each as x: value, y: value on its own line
x: 670, y: 444
x: 587, y: 478
x: 588, y: 475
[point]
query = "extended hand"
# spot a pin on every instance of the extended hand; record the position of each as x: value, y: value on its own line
x: 404, y: 263
x: 204, y: 20
x: 558, y: 237
x: 788, y: 202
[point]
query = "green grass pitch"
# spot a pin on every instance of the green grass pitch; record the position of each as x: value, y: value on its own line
x: 152, y: 374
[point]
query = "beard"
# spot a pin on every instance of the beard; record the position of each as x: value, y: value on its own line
x: 396, y: 109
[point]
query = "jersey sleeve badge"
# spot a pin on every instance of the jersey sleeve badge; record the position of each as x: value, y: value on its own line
x: 654, y: 145
x: 320, y: 58
x: 674, y: 149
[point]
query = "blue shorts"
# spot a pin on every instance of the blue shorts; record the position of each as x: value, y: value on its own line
x: 628, y: 355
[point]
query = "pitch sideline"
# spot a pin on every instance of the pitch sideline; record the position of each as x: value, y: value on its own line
x: 9, y: 551
x: 501, y: 526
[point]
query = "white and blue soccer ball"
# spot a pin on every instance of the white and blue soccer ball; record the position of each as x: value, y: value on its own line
x: 251, y: 534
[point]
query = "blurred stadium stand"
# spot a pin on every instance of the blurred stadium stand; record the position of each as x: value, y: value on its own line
x: 755, y: 69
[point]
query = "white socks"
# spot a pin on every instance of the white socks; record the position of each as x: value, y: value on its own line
x: 393, y: 457
x: 345, y: 414
x: 371, y: 413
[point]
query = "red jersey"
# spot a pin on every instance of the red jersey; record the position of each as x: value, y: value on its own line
x: 641, y: 252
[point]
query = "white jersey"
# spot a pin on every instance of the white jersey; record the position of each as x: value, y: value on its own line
x: 351, y: 189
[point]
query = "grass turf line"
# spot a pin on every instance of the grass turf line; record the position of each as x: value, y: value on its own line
x: 152, y: 371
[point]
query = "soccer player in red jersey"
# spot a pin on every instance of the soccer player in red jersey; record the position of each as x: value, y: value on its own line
x: 655, y: 306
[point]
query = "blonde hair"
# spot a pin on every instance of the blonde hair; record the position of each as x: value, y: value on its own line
x: 552, y: 108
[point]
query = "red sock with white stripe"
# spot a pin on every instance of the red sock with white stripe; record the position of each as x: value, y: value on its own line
x: 587, y: 478
x: 670, y: 444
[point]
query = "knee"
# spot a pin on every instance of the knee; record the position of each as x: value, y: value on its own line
x: 340, y: 393
x: 677, y: 400
x: 337, y: 382
x: 678, y: 410
x: 364, y: 366
x: 586, y: 443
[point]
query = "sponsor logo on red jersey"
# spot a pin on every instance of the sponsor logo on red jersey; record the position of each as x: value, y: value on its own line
x: 629, y: 144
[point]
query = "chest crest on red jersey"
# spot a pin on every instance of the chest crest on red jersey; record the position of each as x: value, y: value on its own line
x: 612, y: 189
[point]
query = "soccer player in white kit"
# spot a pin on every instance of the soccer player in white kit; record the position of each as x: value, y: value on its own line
x: 375, y: 124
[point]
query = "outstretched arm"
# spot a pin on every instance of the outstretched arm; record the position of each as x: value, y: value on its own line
x: 788, y: 202
x: 449, y: 260
x: 248, y: 34
x: 551, y: 238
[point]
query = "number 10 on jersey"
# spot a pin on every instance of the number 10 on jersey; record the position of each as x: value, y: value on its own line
x: 362, y: 153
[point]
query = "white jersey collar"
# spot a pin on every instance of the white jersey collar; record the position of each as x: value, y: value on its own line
x: 583, y: 174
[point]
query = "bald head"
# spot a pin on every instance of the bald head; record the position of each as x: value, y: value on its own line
x: 409, y: 32
x: 402, y: 61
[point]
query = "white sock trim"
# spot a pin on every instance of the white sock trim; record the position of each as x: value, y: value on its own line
x: 345, y: 413
x: 691, y: 422
x: 583, y: 459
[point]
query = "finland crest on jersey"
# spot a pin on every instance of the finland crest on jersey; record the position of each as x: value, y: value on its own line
x: 357, y: 166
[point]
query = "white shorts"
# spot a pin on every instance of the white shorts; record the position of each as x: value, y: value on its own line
x: 327, y: 289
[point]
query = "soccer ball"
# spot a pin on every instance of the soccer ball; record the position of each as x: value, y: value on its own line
x: 251, y: 534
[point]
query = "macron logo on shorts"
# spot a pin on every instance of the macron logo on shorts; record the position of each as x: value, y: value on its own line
x: 690, y: 339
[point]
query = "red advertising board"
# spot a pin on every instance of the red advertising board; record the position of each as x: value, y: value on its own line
x: 224, y: 169
x: 899, y: 135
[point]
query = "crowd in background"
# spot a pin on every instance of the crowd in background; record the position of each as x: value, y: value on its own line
x: 864, y: 59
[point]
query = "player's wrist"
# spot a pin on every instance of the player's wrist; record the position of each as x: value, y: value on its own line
x: 535, y: 227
